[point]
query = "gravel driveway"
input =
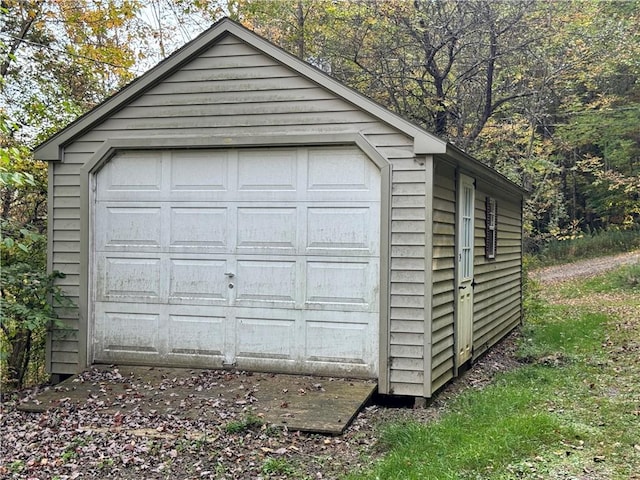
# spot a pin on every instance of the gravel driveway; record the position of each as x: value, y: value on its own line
x: 583, y: 268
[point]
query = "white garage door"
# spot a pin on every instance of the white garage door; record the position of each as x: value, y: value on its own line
x: 255, y: 258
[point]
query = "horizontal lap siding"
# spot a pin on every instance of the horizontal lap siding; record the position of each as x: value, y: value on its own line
x: 497, y: 294
x: 65, y: 258
x: 443, y: 264
x: 233, y: 90
x: 406, y: 326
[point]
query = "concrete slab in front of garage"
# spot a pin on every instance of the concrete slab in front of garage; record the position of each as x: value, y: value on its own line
x: 304, y: 403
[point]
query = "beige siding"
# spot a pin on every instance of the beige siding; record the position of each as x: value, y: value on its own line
x: 232, y: 89
x: 497, y: 295
x: 65, y: 254
x: 443, y: 264
x: 407, y: 270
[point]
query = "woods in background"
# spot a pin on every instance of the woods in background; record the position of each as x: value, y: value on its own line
x: 546, y: 92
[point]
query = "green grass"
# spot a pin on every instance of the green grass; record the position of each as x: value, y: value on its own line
x: 558, y: 335
x: 622, y: 280
x: 277, y: 466
x: 482, y: 433
x: 248, y: 422
x: 570, y: 411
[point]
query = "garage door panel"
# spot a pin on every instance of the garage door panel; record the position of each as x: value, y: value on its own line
x: 199, y: 171
x: 199, y: 227
x: 267, y: 229
x: 127, y: 331
x: 127, y: 228
x: 260, y: 282
x: 337, y: 342
x: 340, y: 284
x: 198, y: 281
x: 131, y: 176
x: 334, y: 229
x: 341, y: 172
x: 269, y: 338
x: 129, y: 279
x: 267, y: 171
x: 196, y: 335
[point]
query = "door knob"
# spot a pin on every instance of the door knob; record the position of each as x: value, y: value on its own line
x: 229, y: 274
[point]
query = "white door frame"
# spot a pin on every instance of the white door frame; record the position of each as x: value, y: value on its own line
x: 464, y: 269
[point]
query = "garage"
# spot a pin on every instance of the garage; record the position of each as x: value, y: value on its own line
x: 253, y: 258
x: 236, y: 207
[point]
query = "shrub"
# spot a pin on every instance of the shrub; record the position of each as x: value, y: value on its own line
x: 28, y: 296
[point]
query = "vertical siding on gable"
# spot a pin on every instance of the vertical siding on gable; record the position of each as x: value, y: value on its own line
x: 497, y: 295
x: 233, y: 90
x: 443, y: 267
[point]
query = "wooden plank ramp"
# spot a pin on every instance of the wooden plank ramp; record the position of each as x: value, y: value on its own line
x: 296, y: 402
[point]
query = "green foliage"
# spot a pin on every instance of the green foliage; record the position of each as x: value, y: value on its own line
x: 25, y: 296
x: 27, y: 302
x: 28, y: 294
x: 17, y: 466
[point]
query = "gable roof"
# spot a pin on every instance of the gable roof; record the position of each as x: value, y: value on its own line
x: 425, y: 143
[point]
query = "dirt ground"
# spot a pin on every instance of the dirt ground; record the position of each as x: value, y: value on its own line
x: 89, y: 441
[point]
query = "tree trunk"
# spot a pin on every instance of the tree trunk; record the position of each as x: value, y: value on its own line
x: 18, y: 360
x: 300, y: 33
x: 32, y: 15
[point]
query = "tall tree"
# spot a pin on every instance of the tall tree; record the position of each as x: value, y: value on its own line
x: 57, y: 59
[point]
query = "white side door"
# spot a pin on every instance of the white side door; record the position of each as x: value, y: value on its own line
x: 464, y: 315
